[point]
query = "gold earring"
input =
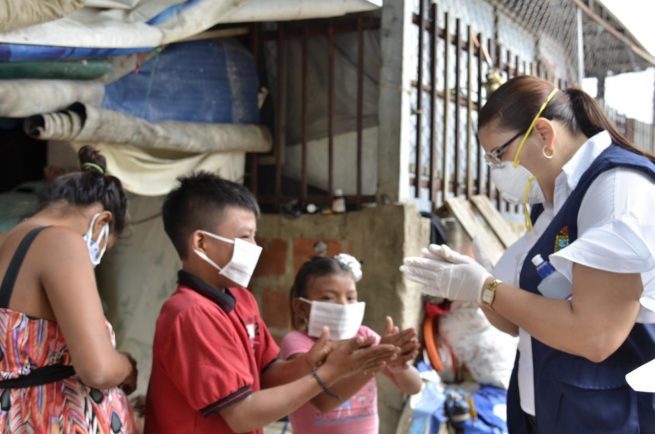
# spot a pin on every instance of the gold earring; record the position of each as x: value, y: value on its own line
x: 546, y: 153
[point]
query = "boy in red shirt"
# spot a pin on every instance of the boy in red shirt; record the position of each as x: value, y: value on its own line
x: 212, y: 352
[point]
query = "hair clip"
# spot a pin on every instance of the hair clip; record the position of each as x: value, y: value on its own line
x: 351, y: 263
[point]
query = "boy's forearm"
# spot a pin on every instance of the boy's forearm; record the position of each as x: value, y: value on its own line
x: 285, y: 371
x: 268, y: 405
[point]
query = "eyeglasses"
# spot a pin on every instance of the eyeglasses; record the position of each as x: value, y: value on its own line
x: 493, y: 157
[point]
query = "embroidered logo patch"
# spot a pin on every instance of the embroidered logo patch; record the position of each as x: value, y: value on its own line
x: 562, y: 238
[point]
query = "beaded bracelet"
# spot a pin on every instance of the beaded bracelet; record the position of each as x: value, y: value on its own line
x: 327, y: 391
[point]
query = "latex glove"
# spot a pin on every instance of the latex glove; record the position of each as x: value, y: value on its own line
x: 446, y: 273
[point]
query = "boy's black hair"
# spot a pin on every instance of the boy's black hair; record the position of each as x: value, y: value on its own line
x: 317, y: 266
x: 197, y: 204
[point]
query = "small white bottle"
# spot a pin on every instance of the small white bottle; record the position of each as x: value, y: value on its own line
x: 338, y: 202
x: 553, y: 283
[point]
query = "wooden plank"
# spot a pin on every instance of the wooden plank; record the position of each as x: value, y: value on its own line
x: 500, y: 227
x: 476, y: 227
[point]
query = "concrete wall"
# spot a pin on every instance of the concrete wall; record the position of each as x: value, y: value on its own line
x: 379, y: 237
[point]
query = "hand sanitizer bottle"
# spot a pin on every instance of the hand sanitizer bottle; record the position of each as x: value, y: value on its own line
x: 553, y: 283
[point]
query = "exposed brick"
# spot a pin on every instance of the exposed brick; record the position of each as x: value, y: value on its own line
x: 273, y: 259
x: 275, y: 308
x: 304, y: 249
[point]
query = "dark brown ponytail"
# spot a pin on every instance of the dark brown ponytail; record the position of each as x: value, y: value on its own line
x: 591, y: 119
x: 514, y: 104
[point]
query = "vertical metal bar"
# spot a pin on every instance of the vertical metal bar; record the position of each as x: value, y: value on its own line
x: 419, y: 100
x: 525, y: 68
x: 330, y: 124
x: 517, y: 72
x: 456, y: 181
x: 255, y: 47
x: 434, y: 36
x: 446, y: 106
x: 280, y: 115
x: 508, y: 64
x: 533, y: 69
x: 303, y: 118
x: 360, y: 104
x: 469, y: 112
x: 479, y: 149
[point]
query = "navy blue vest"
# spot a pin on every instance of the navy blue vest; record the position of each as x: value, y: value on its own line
x: 572, y: 394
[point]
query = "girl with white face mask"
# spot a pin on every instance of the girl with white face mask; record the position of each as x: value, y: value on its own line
x: 324, y: 294
x: 596, y: 228
x: 63, y: 360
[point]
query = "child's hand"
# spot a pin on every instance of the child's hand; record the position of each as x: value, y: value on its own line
x: 319, y: 352
x: 405, y: 340
x: 359, y: 355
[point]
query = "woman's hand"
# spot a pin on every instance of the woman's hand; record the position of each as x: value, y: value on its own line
x: 447, y: 274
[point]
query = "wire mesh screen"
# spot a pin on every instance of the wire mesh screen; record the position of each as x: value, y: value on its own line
x: 468, y: 48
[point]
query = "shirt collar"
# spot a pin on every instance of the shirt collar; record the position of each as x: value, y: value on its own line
x: 573, y: 170
x: 222, y: 297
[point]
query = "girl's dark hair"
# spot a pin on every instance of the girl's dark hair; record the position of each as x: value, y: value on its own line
x: 88, y: 186
x: 514, y: 104
x: 317, y: 266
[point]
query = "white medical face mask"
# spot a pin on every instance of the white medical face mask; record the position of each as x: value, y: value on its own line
x: 343, y: 320
x: 242, y: 264
x: 95, y: 251
x: 512, y: 182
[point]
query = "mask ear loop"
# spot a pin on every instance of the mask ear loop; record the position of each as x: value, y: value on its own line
x: 531, y: 127
x: 526, y: 205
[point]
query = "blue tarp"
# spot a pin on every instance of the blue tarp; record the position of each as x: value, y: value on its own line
x: 200, y: 81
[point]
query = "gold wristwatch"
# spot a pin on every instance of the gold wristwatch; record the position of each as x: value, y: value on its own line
x: 489, y: 292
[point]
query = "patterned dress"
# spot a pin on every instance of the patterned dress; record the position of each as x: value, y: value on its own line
x: 65, y: 406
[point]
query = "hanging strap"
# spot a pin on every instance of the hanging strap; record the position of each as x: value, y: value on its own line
x: 14, y: 266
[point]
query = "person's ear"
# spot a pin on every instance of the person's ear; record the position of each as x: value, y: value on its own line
x: 545, y: 132
x: 104, y: 218
x: 300, y: 311
x: 198, y: 240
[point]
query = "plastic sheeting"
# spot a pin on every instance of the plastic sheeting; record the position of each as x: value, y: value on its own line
x: 88, y: 124
x: 15, y: 14
x: 199, y: 81
x: 154, y: 172
x: 22, y: 98
x: 96, y: 32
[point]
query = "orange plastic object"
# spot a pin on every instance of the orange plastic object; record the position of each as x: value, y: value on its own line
x: 431, y: 343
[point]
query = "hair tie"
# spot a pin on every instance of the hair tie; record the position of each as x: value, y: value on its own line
x: 93, y: 166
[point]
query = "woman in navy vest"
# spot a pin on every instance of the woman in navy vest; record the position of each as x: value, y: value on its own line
x: 595, y: 223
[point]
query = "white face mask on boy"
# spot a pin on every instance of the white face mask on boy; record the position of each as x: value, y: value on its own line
x: 343, y: 320
x: 95, y: 251
x: 242, y: 264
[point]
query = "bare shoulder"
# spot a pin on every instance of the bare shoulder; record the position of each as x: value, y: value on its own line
x: 57, y: 243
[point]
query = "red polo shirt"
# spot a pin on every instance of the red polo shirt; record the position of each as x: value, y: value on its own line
x: 209, y: 351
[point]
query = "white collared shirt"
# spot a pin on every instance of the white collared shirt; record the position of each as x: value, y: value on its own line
x: 616, y: 232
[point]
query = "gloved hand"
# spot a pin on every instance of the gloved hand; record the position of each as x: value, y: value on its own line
x: 446, y: 273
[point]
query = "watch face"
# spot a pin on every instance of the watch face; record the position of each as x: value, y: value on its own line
x: 488, y: 296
